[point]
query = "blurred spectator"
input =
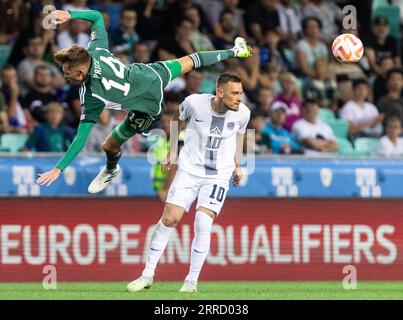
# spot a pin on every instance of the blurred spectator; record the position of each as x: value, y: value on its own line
x: 363, y: 117
x: 34, y: 28
x: 34, y: 53
x: 291, y: 96
x: 248, y: 71
x: 316, y: 136
x: 280, y: 139
x: 73, y: 114
x: 268, y: 77
x: 125, y: 36
x: 39, y: 96
x: 193, y: 80
x: 379, y: 85
x: 11, y: 90
x: 175, y: 11
x: 391, y: 144
x: 265, y: 98
x: 14, y: 17
x: 310, y: 48
x: 200, y: 41
x: 324, y: 84
x: 271, y: 52
x: 51, y: 136
x: 260, y: 145
x: 225, y: 38
x: 328, y: 13
x: 178, y: 46
x: 216, y: 11
x: 141, y: 52
x: 290, y: 21
x: 75, y: 5
x: 392, y: 103
x: 172, y: 100
x: 99, y: 132
x: 73, y: 35
x: 381, y: 44
x: 261, y: 18
x: 4, y: 126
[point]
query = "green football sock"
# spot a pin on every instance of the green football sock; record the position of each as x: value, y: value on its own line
x: 208, y: 58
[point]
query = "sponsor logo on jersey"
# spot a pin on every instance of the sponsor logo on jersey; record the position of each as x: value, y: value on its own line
x: 215, y: 130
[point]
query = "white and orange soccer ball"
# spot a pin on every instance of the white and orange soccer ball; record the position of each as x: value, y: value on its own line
x: 347, y: 48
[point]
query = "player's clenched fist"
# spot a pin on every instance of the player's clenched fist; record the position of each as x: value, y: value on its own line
x: 60, y: 16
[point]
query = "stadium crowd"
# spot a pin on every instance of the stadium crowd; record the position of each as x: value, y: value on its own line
x: 302, y: 100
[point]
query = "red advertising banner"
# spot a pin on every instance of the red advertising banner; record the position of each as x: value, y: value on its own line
x: 252, y: 239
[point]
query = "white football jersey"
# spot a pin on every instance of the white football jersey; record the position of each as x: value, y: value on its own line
x: 210, y: 137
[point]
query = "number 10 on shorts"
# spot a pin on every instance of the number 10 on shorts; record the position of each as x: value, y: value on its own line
x: 217, y: 194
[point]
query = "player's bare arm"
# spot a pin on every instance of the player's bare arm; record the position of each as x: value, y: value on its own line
x: 237, y: 175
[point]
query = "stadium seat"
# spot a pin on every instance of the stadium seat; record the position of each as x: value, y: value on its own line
x: 366, y: 146
x: 393, y: 14
x: 325, y: 114
x: 339, y: 127
x: 290, y: 55
x: 5, y: 50
x: 378, y: 3
x: 345, y: 147
x: 12, y: 142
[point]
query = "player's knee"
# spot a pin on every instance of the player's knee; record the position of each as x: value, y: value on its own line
x: 171, y: 222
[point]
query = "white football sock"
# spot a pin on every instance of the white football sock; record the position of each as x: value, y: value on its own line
x: 200, y: 245
x: 157, y: 246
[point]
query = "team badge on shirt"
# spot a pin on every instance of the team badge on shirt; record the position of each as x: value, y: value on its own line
x: 231, y: 125
x: 93, y: 35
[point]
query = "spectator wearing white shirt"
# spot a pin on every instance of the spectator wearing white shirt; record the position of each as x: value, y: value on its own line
x: 363, y: 117
x: 290, y: 21
x: 391, y: 145
x: 316, y: 136
x: 73, y: 35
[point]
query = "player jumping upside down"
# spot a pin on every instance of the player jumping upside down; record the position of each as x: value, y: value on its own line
x: 210, y: 155
x: 107, y: 83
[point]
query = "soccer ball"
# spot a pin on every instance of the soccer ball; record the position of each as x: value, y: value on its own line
x: 347, y: 48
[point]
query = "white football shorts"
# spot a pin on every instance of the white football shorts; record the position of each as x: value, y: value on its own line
x: 185, y: 188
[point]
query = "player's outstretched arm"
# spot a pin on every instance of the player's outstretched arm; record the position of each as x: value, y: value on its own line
x: 75, y: 148
x: 93, y: 16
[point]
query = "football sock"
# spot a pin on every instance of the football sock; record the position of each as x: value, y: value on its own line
x: 157, y: 246
x: 207, y: 58
x: 112, y: 159
x: 200, y: 245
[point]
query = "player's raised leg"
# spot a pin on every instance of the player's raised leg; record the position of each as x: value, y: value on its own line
x: 206, y: 58
x: 169, y: 220
x: 200, y: 247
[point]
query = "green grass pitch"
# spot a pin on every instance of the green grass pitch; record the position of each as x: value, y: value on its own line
x: 207, y: 291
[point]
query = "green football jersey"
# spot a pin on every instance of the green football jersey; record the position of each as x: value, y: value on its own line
x: 111, y: 84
